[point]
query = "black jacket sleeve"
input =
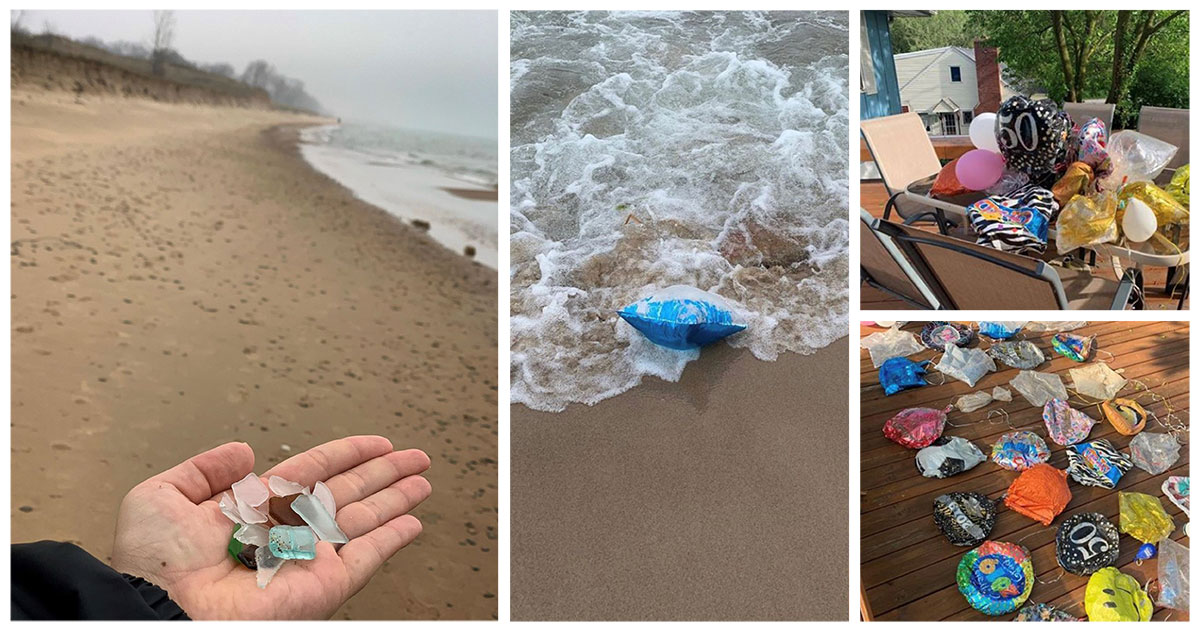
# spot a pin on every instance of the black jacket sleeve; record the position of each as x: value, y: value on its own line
x: 54, y: 580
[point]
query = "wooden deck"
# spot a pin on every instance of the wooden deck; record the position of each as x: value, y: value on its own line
x: 908, y: 567
x: 874, y: 198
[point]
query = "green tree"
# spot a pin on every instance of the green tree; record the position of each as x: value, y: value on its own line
x: 1077, y: 55
x: 944, y: 28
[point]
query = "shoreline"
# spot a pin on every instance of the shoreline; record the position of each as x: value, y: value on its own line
x: 185, y: 280
x: 681, y: 501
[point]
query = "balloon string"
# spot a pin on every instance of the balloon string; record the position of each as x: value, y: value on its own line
x: 1000, y: 412
x: 1061, y: 573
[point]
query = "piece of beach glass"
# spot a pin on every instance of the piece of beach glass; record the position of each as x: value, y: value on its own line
x: 293, y: 543
x: 322, y: 492
x: 250, y: 493
x: 319, y: 519
x: 281, y: 487
x: 251, y: 535
x: 229, y: 508
x: 268, y: 565
x: 282, y: 512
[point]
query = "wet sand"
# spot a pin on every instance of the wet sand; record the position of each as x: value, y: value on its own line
x: 719, y: 497
x: 182, y: 278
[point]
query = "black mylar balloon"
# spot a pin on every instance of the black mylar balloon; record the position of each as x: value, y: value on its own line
x: 1032, y: 134
x: 1086, y: 543
x: 965, y: 518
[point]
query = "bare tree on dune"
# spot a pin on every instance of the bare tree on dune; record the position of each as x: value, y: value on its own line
x: 164, y: 34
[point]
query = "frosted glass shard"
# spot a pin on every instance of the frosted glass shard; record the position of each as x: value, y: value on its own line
x: 252, y: 535
x: 310, y: 509
x: 230, y: 509
x: 268, y: 565
x: 322, y: 492
x: 251, y: 491
x: 281, y: 487
x: 293, y: 543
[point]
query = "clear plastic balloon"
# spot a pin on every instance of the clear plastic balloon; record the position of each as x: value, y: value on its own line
x: 1039, y: 387
x: 1137, y: 157
x: 965, y: 364
x: 970, y: 402
x: 889, y: 344
x: 1154, y: 452
x: 1097, y: 380
x: 1173, y: 575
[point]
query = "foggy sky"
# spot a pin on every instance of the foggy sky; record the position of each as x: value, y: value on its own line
x: 419, y: 69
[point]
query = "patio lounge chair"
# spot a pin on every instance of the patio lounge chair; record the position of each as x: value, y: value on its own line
x: 901, y: 150
x: 885, y: 268
x: 964, y: 275
x: 1169, y: 125
x: 1083, y: 112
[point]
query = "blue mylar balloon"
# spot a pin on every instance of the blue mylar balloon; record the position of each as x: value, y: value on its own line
x: 900, y: 373
x: 999, y: 330
x: 1147, y: 551
x: 682, y: 318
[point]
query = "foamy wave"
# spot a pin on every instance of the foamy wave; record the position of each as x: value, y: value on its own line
x: 657, y: 149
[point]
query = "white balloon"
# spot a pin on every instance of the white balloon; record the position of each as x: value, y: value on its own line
x: 1139, y: 222
x: 983, y: 132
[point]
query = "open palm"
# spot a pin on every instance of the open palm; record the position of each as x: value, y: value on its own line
x: 171, y: 531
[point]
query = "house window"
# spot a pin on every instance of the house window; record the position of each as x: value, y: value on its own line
x: 955, y: 74
x: 949, y: 124
x: 968, y: 117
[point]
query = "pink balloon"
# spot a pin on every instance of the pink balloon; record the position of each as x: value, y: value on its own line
x: 979, y: 169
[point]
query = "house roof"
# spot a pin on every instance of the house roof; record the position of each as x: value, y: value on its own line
x: 934, y: 54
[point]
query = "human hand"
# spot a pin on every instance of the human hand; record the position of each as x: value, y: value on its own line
x: 171, y: 532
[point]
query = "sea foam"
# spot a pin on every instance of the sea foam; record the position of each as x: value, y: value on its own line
x: 654, y: 149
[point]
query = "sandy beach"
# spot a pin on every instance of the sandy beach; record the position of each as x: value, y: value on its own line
x: 719, y: 497
x: 181, y: 278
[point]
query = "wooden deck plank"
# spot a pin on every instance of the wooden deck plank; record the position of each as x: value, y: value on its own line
x: 907, y: 566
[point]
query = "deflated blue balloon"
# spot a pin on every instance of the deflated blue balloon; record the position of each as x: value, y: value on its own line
x: 682, y: 318
x: 998, y: 330
x: 1147, y: 551
x: 900, y: 373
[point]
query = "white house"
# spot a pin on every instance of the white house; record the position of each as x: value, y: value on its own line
x: 940, y: 84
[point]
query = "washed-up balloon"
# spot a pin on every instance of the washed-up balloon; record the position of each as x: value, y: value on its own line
x: 1166, y: 208
x: 1040, y: 492
x: 996, y: 577
x: 1115, y: 596
x: 1097, y: 380
x: 1075, y: 347
x: 1125, y: 414
x: 1143, y: 517
x: 1032, y: 134
x: 889, y: 344
x: 1000, y: 330
x: 938, y: 335
x: 1043, y: 612
x: 901, y: 373
x: 1039, y: 387
x: 965, y: 364
x: 964, y: 518
x: 1178, y: 490
x: 1136, y: 157
x: 682, y: 317
x: 1020, y: 450
x: 1074, y: 181
x: 1154, y: 453
x: 917, y: 427
x: 970, y: 402
x: 1089, y: 145
x: 1180, y: 187
x: 1065, y: 424
x: 1086, y: 543
x: 1097, y: 463
x: 1018, y: 222
x: 1173, y: 575
x: 1022, y: 354
x: 948, y: 456
x: 1086, y: 221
